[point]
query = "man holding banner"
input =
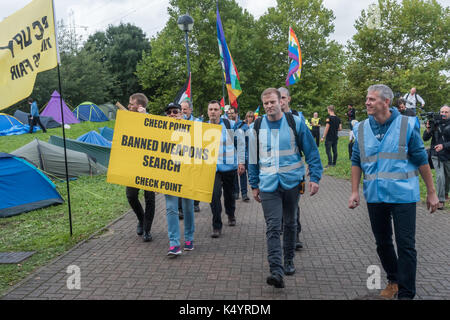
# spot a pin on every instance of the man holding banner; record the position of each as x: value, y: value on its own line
x: 138, y: 102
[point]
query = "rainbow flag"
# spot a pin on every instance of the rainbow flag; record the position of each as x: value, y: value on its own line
x: 295, y: 69
x: 256, y: 113
x: 228, y: 67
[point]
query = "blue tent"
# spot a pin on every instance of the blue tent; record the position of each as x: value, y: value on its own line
x: 11, y: 126
x: 107, y: 133
x: 23, y: 187
x: 93, y: 137
x: 88, y: 111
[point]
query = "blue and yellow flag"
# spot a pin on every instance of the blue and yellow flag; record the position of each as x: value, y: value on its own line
x: 27, y: 46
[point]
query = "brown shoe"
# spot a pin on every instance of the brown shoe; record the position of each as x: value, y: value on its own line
x: 390, y: 292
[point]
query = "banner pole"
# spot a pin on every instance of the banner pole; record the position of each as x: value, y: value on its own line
x: 62, y: 119
x: 65, y: 151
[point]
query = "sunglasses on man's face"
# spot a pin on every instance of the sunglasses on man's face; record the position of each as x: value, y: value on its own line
x: 173, y: 111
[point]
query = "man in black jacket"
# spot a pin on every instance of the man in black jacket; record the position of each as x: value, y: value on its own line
x: 440, y: 153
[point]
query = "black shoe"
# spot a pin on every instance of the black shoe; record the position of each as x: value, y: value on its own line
x: 275, y: 280
x: 180, y: 214
x: 231, y: 222
x: 147, y: 236
x: 245, y: 198
x: 216, y: 233
x: 298, y: 243
x: 197, y: 208
x: 289, y: 268
x: 139, y: 229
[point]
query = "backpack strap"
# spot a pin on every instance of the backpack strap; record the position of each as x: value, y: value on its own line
x: 227, y: 124
x: 291, y: 121
x: 256, y: 127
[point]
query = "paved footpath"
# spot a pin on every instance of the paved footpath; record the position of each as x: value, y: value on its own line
x: 339, y: 247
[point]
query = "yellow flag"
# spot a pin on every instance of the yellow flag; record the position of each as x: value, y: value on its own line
x: 27, y: 46
x: 165, y: 155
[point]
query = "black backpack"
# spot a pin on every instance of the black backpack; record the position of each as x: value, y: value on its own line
x: 291, y: 122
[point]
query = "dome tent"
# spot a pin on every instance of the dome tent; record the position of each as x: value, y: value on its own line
x: 23, y: 187
x: 50, y: 159
x: 88, y: 111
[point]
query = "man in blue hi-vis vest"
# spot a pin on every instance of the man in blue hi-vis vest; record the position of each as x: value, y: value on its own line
x: 276, y: 170
x: 231, y: 161
x: 389, y: 151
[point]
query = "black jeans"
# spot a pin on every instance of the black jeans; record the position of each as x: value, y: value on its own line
x: 32, y: 121
x: 145, y: 217
x: 316, y: 134
x: 401, y: 269
x: 223, y: 180
x: 331, y: 146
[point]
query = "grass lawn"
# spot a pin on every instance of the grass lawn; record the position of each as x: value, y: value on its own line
x: 94, y: 204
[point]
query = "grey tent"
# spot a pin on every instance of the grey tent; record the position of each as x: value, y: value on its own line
x: 48, y: 122
x: 50, y: 159
x: 109, y: 110
x: 99, y: 153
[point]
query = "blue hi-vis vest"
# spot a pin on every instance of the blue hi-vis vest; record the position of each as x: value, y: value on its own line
x: 227, y: 159
x: 280, y: 162
x: 389, y: 176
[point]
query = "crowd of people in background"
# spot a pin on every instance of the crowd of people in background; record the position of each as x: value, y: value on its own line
x: 386, y: 147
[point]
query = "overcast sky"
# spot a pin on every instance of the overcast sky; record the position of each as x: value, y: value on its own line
x: 151, y: 15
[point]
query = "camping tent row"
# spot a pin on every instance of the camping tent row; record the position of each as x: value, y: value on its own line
x: 86, y: 111
x: 51, y: 116
x: 23, y: 187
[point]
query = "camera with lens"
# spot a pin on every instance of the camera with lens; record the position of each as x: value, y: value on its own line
x: 435, y: 120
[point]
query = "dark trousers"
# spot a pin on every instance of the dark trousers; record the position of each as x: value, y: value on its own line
x: 32, y: 121
x: 402, y: 268
x: 242, y: 180
x: 350, y: 149
x: 316, y: 134
x: 331, y: 146
x: 280, y: 205
x: 225, y: 181
x: 145, y: 217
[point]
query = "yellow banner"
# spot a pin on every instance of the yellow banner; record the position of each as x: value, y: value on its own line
x: 27, y: 47
x: 165, y: 155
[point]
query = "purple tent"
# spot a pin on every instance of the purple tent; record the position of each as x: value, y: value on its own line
x: 53, y: 109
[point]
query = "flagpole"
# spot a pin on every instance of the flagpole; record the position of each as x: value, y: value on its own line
x: 62, y: 120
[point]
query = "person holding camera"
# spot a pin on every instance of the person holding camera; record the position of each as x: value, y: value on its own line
x: 438, y: 129
x: 412, y: 98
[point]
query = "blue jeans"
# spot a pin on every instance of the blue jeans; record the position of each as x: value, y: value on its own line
x: 277, y: 206
x: 401, y: 269
x: 173, y: 220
